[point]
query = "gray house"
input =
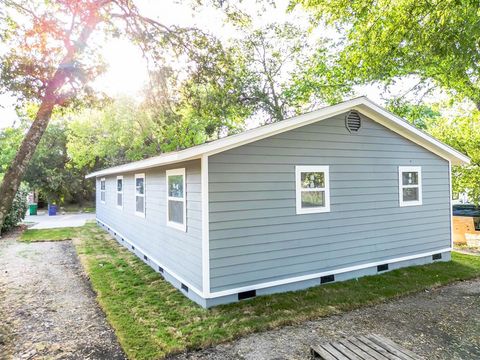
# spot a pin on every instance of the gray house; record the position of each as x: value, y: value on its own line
x: 342, y: 192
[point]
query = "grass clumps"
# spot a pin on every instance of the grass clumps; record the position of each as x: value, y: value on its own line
x: 58, y: 234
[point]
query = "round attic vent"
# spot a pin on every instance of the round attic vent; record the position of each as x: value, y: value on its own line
x: 353, y: 121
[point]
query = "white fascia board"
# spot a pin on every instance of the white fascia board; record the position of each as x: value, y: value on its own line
x: 362, y: 104
x: 403, y: 128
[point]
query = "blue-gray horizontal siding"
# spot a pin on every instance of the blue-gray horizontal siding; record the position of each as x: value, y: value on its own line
x: 180, y: 252
x: 256, y: 236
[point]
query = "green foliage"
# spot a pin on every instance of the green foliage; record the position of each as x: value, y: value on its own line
x: 457, y: 127
x: 47, y: 171
x: 125, y: 131
x: 17, y: 211
x: 384, y: 40
x: 462, y: 133
x: 51, y: 171
x: 420, y: 115
x: 280, y: 80
x: 162, y: 321
x: 10, y: 139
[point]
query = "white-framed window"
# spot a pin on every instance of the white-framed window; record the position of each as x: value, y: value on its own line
x: 140, y: 195
x: 312, y: 189
x: 102, y: 190
x: 120, y: 192
x: 176, y: 199
x: 410, y: 185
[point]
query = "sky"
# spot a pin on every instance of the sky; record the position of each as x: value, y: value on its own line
x: 127, y: 70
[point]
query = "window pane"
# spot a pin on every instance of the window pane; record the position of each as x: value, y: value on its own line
x: 410, y: 178
x: 175, y: 211
x: 102, y: 185
x: 119, y: 199
x: 410, y: 194
x: 175, y: 186
x: 311, y: 180
x: 312, y: 199
x: 139, y: 186
x: 119, y: 184
x: 102, y: 195
x: 139, y: 207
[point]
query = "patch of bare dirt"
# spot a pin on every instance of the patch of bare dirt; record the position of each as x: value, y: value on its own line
x: 47, y: 307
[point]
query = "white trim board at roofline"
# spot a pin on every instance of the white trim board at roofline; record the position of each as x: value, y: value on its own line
x: 361, y: 104
x: 206, y: 294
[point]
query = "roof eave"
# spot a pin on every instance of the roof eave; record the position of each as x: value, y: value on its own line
x: 363, y: 104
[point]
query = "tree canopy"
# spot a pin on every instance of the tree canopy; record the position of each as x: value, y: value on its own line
x: 50, y: 59
x: 436, y: 41
x: 202, y: 88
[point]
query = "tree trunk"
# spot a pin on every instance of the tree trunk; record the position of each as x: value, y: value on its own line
x: 16, y: 170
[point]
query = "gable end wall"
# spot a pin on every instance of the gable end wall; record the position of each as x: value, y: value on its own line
x: 256, y: 236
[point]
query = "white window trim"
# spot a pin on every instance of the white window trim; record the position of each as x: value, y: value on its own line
x: 103, y: 191
x: 401, y: 170
x: 140, y: 176
x: 180, y: 171
x: 119, y: 192
x: 298, y: 189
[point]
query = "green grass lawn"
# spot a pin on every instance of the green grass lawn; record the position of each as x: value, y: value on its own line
x: 59, y: 234
x: 152, y: 319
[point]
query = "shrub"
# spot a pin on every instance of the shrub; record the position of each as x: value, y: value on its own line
x: 18, y: 210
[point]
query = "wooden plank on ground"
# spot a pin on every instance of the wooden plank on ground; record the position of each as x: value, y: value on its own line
x: 361, y: 349
x: 370, y: 347
x: 390, y: 349
x: 334, y: 352
x: 320, y: 352
x: 378, y: 349
x: 345, y: 351
x: 389, y: 342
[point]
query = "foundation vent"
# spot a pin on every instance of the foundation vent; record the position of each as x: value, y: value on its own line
x: 160, y: 269
x: 145, y: 257
x: 184, y: 287
x: 247, y: 294
x: 327, y: 279
x: 133, y: 247
x: 353, y: 121
x: 383, y: 267
x: 436, y: 256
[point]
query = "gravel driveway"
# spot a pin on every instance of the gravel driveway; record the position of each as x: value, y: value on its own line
x: 440, y: 324
x: 47, y: 307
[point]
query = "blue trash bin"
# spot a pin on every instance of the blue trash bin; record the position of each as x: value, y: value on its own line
x: 52, y: 210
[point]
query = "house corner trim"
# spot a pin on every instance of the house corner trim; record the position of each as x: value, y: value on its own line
x: 205, y: 228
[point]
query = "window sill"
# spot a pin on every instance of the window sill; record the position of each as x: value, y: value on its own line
x: 313, y: 210
x: 173, y: 225
x: 139, y: 214
x: 410, y: 203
